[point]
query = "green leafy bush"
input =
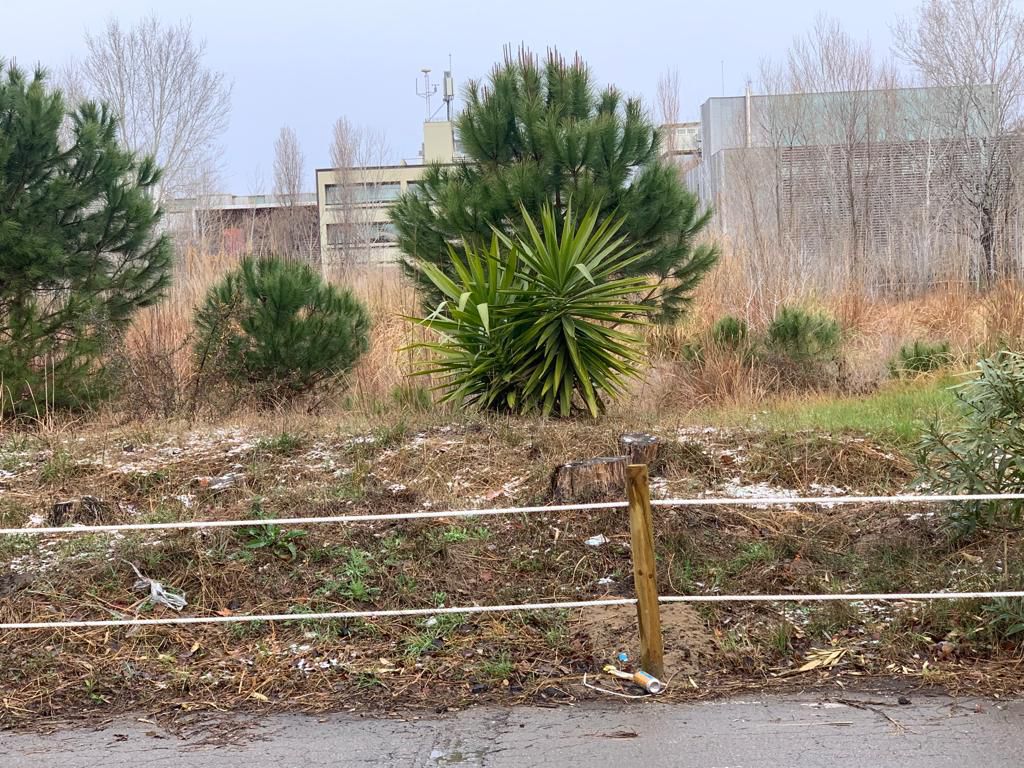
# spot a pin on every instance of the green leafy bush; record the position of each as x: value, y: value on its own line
x: 730, y: 332
x: 534, y: 324
x: 920, y: 357
x: 983, y: 451
x: 278, y: 327
x: 804, y: 335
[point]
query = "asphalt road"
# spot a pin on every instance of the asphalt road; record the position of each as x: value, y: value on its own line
x: 796, y: 732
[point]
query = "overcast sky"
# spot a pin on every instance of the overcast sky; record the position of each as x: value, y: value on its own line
x: 306, y: 63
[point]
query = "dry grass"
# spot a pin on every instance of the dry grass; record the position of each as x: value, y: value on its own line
x: 381, y: 665
x: 161, y: 376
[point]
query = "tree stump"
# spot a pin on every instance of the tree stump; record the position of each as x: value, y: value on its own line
x: 85, y: 511
x: 639, y: 447
x: 600, y: 479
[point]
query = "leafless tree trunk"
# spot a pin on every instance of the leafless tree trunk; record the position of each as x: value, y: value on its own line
x: 823, y: 137
x: 170, y: 104
x: 294, y: 222
x: 355, y: 153
x: 668, y: 110
x: 975, y: 49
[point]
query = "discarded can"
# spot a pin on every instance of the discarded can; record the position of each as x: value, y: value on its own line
x: 648, y: 682
x: 645, y: 680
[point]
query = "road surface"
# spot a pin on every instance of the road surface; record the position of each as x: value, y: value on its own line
x: 793, y: 731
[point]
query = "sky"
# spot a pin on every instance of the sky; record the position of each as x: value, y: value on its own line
x: 305, y: 64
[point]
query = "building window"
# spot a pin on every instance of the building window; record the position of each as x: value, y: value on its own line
x: 333, y: 194
x: 383, y: 192
x: 380, y: 233
x: 383, y: 233
x: 362, y: 193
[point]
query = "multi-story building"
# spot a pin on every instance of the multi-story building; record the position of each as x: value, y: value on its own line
x: 353, y: 203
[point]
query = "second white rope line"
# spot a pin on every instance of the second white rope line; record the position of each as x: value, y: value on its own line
x: 774, y: 501
x: 426, y: 514
x: 380, y: 614
x: 456, y: 513
x: 184, y: 620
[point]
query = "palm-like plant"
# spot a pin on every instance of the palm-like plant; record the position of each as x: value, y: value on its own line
x: 534, y: 323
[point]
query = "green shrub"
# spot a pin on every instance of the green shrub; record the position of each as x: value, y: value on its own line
x: 535, y: 324
x: 803, y: 335
x: 920, y: 357
x: 278, y: 327
x: 983, y: 451
x: 1006, y: 619
x: 730, y: 332
x: 80, y: 244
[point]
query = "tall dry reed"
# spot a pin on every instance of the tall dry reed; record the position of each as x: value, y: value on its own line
x: 157, y: 354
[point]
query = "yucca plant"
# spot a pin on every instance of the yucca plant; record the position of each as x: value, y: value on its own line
x: 534, y: 323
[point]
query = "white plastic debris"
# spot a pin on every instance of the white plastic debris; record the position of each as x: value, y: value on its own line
x: 157, y: 593
x: 220, y: 483
x: 596, y: 541
x: 606, y: 581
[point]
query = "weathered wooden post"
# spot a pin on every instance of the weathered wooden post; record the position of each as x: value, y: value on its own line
x: 641, y: 535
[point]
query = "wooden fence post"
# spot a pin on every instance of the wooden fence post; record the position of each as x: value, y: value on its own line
x: 641, y: 536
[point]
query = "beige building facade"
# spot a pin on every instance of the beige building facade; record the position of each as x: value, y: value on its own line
x: 353, y: 204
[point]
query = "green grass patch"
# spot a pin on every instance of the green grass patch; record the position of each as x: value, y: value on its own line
x: 896, y: 412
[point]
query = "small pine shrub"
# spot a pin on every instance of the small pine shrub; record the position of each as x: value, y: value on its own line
x: 730, y: 332
x: 804, y: 335
x: 920, y: 357
x: 276, y: 326
x: 983, y: 450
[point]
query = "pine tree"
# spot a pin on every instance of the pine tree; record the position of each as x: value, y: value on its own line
x: 276, y: 326
x: 78, y: 249
x: 543, y: 134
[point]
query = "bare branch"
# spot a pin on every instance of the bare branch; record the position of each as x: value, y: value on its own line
x: 170, y: 104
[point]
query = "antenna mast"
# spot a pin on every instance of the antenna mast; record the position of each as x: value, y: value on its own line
x: 428, y: 89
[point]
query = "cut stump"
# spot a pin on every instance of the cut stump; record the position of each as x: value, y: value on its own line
x: 87, y: 510
x: 600, y: 479
x: 639, y: 447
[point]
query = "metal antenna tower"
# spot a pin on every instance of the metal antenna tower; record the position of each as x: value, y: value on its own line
x: 428, y: 89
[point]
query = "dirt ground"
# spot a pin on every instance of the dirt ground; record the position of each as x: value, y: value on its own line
x: 442, y: 662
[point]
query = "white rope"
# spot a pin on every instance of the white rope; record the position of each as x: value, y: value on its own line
x: 703, y: 502
x: 315, y: 616
x: 121, y: 527
x: 750, y: 501
x: 864, y: 597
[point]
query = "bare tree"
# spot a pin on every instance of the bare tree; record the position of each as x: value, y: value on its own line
x: 171, y: 105
x: 829, y: 61
x: 668, y: 110
x: 835, y: 174
x: 356, y: 154
x: 294, y: 224
x: 289, y: 167
x: 975, y: 50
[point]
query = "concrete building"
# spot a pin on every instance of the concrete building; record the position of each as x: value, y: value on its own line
x: 353, y: 203
x: 242, y: 223
x: 680, y: 142
x: 846, y: 183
